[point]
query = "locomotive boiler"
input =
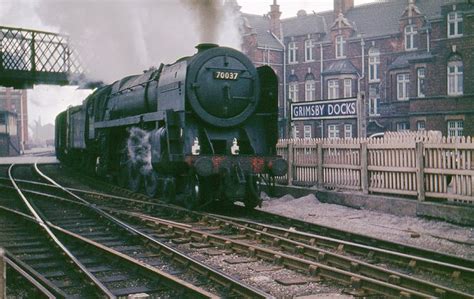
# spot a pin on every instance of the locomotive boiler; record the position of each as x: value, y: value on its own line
x: 200, y: 130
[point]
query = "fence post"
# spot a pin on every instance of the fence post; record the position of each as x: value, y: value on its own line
x: 290, y: 163
x: 3, y: 275
x: 364, y: 173
x: 320, y: 164
x: 420, y: 171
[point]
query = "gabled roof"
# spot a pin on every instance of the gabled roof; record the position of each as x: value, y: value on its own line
x: 261, y: 26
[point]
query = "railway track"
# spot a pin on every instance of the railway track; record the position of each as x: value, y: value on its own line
x: 288, y: 243
x: 76, y: 222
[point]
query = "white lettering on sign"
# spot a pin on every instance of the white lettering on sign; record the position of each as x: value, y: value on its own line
x: 315, y: 110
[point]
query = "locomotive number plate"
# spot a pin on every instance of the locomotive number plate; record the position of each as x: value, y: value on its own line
x: 224, y: 75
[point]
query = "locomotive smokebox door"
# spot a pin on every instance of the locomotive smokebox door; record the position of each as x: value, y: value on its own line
x: 222, y: 86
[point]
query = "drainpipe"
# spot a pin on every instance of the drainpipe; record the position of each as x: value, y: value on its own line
x: 284, y: 83
x: 321, y: 82
x: 428, y: 37
x: 361, y: 116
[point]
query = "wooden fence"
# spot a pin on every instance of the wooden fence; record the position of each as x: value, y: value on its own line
x: 422, y: 165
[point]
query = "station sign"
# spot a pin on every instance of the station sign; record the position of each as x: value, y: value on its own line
x: 346, y: 108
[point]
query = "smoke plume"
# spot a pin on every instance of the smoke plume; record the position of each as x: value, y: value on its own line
x: 139, y: 149
x: 124, y: 37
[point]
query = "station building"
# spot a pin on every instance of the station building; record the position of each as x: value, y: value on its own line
x: 405, y: 64
x: 15, y: 102
x: 9, y: 137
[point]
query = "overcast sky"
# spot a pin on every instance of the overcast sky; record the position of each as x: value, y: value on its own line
x: 46, y: 102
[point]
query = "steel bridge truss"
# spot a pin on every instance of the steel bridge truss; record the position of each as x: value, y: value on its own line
x: 30, y: 57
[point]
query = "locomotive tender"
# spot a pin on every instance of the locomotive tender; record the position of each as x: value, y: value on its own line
x: 201, y: 129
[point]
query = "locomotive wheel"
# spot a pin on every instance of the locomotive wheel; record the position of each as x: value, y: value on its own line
x: 134, y: 177
x: 252, y: 198
x: 151, y: 183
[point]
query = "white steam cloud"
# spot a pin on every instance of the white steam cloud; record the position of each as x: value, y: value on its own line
x: 119, y: 38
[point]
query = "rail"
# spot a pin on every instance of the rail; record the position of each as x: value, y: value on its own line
x: 411, y: 165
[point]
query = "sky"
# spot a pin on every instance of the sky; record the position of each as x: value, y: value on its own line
x: 47, y: 101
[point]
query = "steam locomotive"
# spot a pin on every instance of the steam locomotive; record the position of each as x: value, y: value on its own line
x: 200, y: 130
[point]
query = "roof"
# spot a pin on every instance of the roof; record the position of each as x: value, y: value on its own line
x: 261, y: 26
x: 372, y: 19
x: 340, y: 67
x: 404, y: 60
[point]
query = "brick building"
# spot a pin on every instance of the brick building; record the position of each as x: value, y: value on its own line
x: 15, y: 101
x: 405, y: 64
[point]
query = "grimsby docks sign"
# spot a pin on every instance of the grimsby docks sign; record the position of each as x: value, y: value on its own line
x: 346, y: 108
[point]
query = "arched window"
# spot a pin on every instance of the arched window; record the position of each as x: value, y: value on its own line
x: 293, y: 87
x: 374, y: 64
x: 455, y: 76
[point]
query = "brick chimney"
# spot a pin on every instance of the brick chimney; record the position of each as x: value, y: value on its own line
x: 274, y: 15
x: 342, y: 6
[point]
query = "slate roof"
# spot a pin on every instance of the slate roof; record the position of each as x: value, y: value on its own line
x: 261, y: 26
x: 404, y: 61
x: 303, y: 25
x: 340, y: 67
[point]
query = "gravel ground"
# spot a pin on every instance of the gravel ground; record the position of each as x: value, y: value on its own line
x: 429, y: 234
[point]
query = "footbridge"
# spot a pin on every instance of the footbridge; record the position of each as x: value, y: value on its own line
x: 29, y: 57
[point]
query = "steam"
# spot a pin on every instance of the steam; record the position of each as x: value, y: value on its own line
x: 139, y: 149
x: 118, y: 38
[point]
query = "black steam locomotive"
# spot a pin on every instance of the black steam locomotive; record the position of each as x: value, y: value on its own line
x: 201, y: 129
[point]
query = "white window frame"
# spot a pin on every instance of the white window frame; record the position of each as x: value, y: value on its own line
x: 307, y: 132
x: 421, y: 80
x: 402, y: 126
x: 310, y: 90
x: 296, y: 132
x: 373, y: 105
x: 333, y: 131
x: 292, y: 52
x: 455, y: 83
x: 348, y: 131
x: 455, y: 128
x: 410, y: 33
x: 420, y: 125
x: 374, y: 65
x: 340, y: 42
x: 347, y: 88
x: 455, y: 19
x: 309, y: 45
x: 403, y: 86
x: 333, y: 89
x: 293, y: 91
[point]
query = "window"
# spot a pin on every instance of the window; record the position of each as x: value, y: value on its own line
x: 347, y: 88
x: 403, y: 126
x: 455, y: 128
x: 374, y: 63
x: 340, y: 46
x: 455, y: 77
x: 348, y: 131
x: 333, y: 131
x: 333, y: 89
x: 307, y: 132
x: 410, y: 33
x: 3, y: 118
x: 310, y: 90
x: 293, y: 91
x: 308, y: 50
x: 455, y: 24
x: 373, y: 105
x: 292, y: 48
x: 420, y: 125
x: 421, y: 82
x: 403, y: 85
x: 296, y: 132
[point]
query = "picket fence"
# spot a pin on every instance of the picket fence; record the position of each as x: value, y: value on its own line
x: 413, y: 164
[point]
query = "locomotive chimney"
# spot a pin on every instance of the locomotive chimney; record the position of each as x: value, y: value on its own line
x: 205, y: 46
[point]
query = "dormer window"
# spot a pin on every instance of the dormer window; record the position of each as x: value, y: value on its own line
x: 410, y: 33
x: 455, y: 24
x: 340, y: 46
